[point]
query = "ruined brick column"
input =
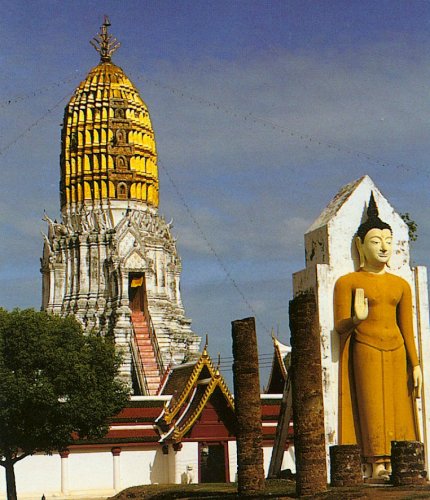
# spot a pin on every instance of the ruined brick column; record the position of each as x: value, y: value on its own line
x: 407, y: 460
x: 308, y: 407
x: 345, y: 465
x: 247, y: 402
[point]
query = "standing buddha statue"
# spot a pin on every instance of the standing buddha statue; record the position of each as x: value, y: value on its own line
x: 379, y: 373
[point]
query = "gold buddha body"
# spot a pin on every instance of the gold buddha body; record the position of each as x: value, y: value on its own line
x: 379, y: 367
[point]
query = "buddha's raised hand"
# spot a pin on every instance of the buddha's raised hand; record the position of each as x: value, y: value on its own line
x: 361, y: 307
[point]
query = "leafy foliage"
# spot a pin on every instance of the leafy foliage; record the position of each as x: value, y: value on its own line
x: 55, y: 383
x: 412, y: 226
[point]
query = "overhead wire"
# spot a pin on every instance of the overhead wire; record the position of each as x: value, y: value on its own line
x: 251, y: 117
x: 4, y: 148
x: 4, y: 103
x: 265, y: 122
x: 212, y: 249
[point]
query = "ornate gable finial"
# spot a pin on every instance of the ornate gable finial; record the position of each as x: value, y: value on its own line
x: 205, y: 348
x: 218, y: 365
x: 105, y: 43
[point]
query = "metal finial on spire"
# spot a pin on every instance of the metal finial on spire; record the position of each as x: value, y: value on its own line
x: 105, y: 43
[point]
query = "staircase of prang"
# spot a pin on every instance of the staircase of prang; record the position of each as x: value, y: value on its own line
x: 146, y: 354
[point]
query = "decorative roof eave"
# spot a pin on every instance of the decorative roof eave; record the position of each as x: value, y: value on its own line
x: 167, y: 435
x: 204, y: 360
x: 280, y: 351
x: 180, y: 429
x: 225, y: 390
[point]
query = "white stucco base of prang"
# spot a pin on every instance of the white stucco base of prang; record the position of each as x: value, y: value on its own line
x: 86, y: 266
x: 331, y: 253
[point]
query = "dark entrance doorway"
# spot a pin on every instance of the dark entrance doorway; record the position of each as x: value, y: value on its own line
x: 213, y: 463
x: 137, y: 292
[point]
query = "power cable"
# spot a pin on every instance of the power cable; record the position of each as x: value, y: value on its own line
x: 249, y: 117
x: 30, y: 127
x: 266, y: 123
x: 212, y: 249
x: 36, y: 93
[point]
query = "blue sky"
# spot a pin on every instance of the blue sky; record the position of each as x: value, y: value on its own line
x: 262, y: 110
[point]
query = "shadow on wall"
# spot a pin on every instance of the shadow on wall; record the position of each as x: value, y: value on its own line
x: 158, y: 470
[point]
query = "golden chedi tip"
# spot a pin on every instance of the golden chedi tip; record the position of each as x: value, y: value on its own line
x: 108, y: 145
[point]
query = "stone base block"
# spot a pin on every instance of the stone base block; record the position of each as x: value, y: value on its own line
x: 407, y: 461
x: 345, y: 465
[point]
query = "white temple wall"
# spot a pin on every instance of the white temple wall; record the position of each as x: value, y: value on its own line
x: 90, y: 471
x: 232, y: 460
x: 187, y: 456
x: 102, y: 473
x: 144, y: 466
x: 36, y: 475
x: 288, y: 461
x: 267, y: 455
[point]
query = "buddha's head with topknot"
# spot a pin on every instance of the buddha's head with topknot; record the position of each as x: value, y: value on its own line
x: 374, y: 240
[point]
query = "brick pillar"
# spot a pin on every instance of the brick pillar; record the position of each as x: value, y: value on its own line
x: 247, y: 402
x: 345, y: 465
x: 308, y: 406
x: 407, y: 461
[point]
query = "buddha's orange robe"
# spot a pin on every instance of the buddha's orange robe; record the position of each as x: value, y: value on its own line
x: 375, y: 382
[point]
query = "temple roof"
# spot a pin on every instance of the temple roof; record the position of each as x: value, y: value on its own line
x: 195, y: 404
x: 193, y: 386
x: 108, y: 144
x: 177, y: 379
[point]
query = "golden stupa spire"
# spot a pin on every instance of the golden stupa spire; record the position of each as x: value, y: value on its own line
x: 104, y: 42
x: 108, y: 144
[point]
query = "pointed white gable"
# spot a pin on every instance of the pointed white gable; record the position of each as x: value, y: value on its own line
x: 330, y: 239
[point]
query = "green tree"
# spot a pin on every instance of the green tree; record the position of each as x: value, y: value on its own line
x: 55, y: 383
